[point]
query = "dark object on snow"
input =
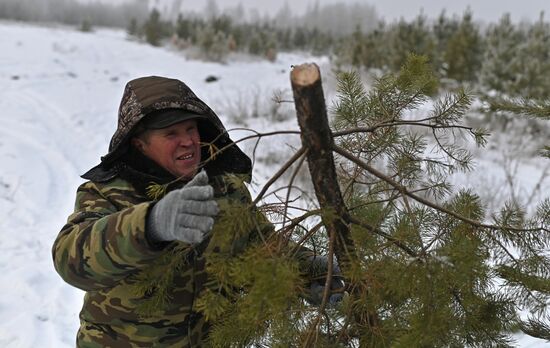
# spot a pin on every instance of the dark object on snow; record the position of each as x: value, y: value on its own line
x: 211, y: 78
x: 15, y: 77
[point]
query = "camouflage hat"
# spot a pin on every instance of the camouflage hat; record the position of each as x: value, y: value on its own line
x: 166, y: 118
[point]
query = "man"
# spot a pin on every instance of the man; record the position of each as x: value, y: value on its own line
x: 120, y: 234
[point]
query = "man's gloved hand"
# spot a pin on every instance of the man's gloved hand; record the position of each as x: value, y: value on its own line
x: 185, y: 214
x: 318, y: 269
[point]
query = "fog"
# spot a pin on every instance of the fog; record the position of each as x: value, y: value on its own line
x: 73, y: 12
x: 328, y: 15
x: 484, y: 10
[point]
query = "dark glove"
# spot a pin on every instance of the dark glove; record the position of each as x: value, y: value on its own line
x: 185, y: 214
x: 318, y: 268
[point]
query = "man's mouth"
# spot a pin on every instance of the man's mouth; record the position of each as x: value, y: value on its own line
x: 185, y: 157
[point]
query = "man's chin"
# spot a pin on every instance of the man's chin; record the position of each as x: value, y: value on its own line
x: 187, y: 174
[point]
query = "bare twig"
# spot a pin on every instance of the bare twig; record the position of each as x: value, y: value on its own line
x: 293, y: 177
x: 279, y: 173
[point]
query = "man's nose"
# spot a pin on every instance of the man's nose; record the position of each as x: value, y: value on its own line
x: 186, y: 140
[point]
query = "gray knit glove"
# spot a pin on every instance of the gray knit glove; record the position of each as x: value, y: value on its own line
x: 185, y: 214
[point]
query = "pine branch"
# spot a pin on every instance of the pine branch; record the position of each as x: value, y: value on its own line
x: 464, y: 162
x: 405, y: 191
x: 450, y: 108
x: 536, y: 328
x: 392, y: 124
x: 523, y: 106
x: 386, y: 236
x: 521, y: 277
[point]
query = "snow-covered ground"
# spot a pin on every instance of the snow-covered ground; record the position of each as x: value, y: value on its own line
x: 59, y: 95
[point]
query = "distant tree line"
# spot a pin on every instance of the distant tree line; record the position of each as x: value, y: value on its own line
x: 507, y: 58
x: 216, y: 34
x: 504, y: 58
x: 217, y: 37
x: 74, y: 13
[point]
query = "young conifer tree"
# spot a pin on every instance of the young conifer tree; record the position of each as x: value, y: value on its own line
x: 423, y: 264
x: 213, y: 44
x: 410, y: 37
x: 502, y: 42
x: 464, y: 51
x: 133, y: 29
x: 531, y: 65
x: 443, y: 29
x: 153, y: 28
x: 376, y: 48
x: 86, y: 26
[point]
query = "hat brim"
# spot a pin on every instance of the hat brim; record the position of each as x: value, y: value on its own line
x: 166, y: 118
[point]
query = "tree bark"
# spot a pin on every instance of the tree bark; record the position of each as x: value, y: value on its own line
x: 317, y: 139
x: 316, y: 136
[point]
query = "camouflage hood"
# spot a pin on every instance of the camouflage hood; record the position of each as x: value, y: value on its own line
x: 145, y: 95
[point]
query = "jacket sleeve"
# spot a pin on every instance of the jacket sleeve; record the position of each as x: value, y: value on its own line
x: 100, y: 245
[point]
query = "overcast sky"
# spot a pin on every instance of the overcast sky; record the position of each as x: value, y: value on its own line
x: 486, y: 10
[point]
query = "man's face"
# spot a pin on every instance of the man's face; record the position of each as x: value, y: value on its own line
x: 175, y: 148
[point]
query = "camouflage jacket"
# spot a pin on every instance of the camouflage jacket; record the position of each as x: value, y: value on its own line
x: 103, y: 250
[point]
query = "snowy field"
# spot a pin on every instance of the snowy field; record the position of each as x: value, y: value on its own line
x: 59, y: 95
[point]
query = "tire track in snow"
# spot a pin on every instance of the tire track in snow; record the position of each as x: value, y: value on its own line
x: 44, y: 136
x: 36, y: 147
